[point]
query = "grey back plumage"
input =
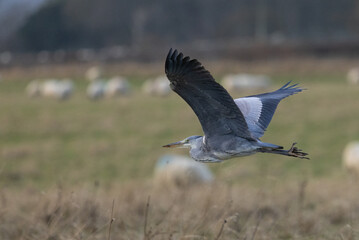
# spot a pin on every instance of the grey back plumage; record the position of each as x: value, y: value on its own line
x: 214, y: 107
x: 258, y: 110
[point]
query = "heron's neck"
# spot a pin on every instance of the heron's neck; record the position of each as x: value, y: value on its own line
x: 196, y: 143
x: 197, y: 149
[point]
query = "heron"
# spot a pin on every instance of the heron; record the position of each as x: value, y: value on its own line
x: 231, y: 127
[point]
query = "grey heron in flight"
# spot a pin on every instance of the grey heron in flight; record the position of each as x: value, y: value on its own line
x: 232, y: 128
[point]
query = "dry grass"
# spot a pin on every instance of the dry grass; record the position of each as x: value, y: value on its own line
x: 296, y: 210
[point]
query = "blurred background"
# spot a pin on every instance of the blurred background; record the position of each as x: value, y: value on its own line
x: 120, y: 30
x: 85, y: 108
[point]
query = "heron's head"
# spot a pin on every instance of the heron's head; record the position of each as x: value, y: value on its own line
x: 185, y: 143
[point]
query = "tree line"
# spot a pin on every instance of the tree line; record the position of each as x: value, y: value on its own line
x: 72, y: 24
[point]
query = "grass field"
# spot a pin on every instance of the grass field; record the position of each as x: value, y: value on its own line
x: 64, y: 163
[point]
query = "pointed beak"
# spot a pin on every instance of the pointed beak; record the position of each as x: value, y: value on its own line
x: 175, y: 144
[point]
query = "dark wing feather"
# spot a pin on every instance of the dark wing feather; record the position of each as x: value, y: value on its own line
x: 214, y: 107
x: 258, y: 110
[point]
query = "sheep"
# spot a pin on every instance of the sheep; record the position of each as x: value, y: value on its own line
x: 33, y: 89
x: 49, y: 88
x: 353, y: 76
x: 242, y: 82
x: 147, y: 87
x: 351, y: 157
x: 52, y: 88
x: 162, y: 86
x: 96, y: 89
x: 117, y: 86
x: 180, y: 171
x: 66, y: 88
x: 157, y: 87
x: 93, y: 73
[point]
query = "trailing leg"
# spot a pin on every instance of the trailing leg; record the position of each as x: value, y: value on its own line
x: 292, y: 152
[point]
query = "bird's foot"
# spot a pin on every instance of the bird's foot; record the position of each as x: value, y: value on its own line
x: 295, y: 152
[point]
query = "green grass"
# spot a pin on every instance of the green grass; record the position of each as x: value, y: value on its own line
x: 44, y: 141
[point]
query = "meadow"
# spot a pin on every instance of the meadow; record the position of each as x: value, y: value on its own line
x: 82, y: 169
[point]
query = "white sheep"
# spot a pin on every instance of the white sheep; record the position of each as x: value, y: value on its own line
x: 351, y: 157
x: 93, y: 73
x: 353, y: 76
x: 180, y: 171
x: 147, y: 87
x: 58, y: 89
x: 162, y: 86
x: 49, y: 88
x: 96, y: 89
x: 157, y: 87
x: 117, y: 86
x: 33, y: 89
x: 67, y: 87
x: 243, y: 82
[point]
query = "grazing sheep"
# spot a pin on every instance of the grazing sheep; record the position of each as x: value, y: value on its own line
x: 353, y: 76
x: 33, y: 89
x: 147, y: 87
x: 93, y: 73
x: 157, y: 87
x: 96, y: 89
x: 243, y: 82
x: 66, y: 88
x: 52, y: 88
x: 117, y: 86
x: 180, y: 171
x: 351, y: 157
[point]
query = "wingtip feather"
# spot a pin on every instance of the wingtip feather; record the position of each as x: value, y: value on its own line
x: 169, y: 54
x: 175, y: 54
x: 168, y: 60
x: 294, y: 87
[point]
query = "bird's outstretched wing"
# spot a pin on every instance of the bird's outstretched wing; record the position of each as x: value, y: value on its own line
x: 214, y: 107
x: 258, y: 109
